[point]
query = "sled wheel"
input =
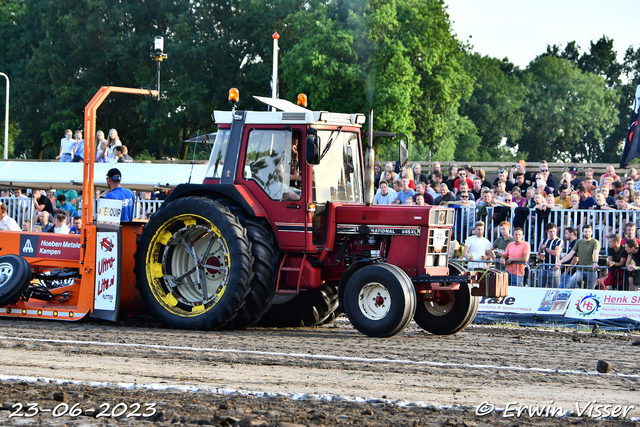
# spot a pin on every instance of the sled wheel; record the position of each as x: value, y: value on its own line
x: 193, y: 264
x: 380, y: 300
x: 15, y: 274
x: 450, y: 311
x: 309, y: 308
x: 266, y: 253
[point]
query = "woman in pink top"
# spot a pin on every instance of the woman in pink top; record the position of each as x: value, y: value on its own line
x: 516, y: 252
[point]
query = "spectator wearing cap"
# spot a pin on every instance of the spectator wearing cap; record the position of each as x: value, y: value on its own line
x: 610, y: 172
x: 574, y: 174
x: 117, y: 192
x: 6, y: 222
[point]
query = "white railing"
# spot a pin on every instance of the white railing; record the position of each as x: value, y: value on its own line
x: 144, y: 208
x: 20, y: 209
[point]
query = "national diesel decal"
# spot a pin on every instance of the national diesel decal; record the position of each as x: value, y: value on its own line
x: 385, y: 230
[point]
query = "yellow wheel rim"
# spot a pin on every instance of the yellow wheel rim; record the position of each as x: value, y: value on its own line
x: 188, y: 265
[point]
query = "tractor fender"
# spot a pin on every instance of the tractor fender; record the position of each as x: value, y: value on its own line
x: 237, y: 193
x: 350, y: 271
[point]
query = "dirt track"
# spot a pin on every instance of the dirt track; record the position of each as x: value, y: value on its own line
x: 407, y: 380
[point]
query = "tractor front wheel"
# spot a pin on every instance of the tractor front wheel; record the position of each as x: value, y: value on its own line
x: 380, y: 300
x: 193, y: 264
x: 15, y: 274
x: 448, y: 312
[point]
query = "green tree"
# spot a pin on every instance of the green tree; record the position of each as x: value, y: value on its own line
x: 568, y: 112
x: 494, y: 107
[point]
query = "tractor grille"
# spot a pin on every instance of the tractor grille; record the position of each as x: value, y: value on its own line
x: 438, y: 247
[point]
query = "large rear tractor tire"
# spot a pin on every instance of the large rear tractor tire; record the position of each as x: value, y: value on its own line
x: 194, y: 264
x: 450, y: 311
x: 380, y: 300
x: 309, y: 308
x: 266, y: 253
x: 15, y: 274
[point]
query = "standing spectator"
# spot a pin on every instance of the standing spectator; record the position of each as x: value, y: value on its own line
x: 633, y: 260
x: 610, y: 172
x: 616, y: 260
x: 505, y: 238
x: 570, y: 237
x: 445, y: 195
x: 521, y: 183
x: 564, y: 198
x: 77, y: 226
x: 101, y: 147
x: 119, y: 193
x: 42, y: 202
x: 112, y: 141
x: 519, y: 169
x: 406, y: 191
x: 79, y: 152
x: 518, y: 252
x: 587, y: 250
x: 67, y: 147
x: 66, y: 206
x: 377, y: 175
x: 6, y: 222
x: 480, y: 173
x: 51, y: 194
x: 548, y: 253
x: 59, y: 224
x: 385, y: 195
x: 477, y: 247
x: 418, y: 176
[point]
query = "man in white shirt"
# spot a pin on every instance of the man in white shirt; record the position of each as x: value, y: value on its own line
x: 385, y: 195
x: 6, y: 222
x: 59, y: 226
x: 477, y: 248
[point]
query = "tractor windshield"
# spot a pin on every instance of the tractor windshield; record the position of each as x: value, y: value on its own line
x: 338, y: 177
x: 216, y: 161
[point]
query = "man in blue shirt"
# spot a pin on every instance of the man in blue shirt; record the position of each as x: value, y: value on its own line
x: 118, y: 193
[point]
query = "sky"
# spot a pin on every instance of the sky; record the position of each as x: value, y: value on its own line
x: 522, y: 29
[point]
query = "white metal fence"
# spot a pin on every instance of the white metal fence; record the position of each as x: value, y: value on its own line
x: 20, y: 209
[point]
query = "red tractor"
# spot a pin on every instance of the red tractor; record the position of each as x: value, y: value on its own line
x: 280, y: 233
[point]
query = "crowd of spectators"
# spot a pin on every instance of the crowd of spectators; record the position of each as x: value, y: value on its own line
x: 109, y: 150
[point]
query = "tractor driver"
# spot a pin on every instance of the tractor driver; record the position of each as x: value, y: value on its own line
x: 296, y: 170
x: 118, y: 193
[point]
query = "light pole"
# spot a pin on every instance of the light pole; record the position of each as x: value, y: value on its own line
x: 6, y: 121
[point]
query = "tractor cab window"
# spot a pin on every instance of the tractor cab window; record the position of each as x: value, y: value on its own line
x: 272, y: 162
x: 218, y: 153
x: 338, y: 177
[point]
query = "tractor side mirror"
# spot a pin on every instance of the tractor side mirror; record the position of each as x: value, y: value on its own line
x: 312, y: 150
x: 403, y: 154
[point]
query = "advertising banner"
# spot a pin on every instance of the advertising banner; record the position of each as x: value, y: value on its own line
x: 107, y: 268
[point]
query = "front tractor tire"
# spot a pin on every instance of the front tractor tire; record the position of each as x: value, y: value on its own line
x: 193, y: 264
x: 448, y: 312
x: 380, y: 300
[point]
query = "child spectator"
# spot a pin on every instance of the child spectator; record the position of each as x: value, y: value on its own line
x: 515, y: 256
x: 548, y: 253
x: 616, y: 260
x: 588, y: 250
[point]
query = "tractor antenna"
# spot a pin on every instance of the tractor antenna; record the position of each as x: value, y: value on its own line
x: 193, y: 160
